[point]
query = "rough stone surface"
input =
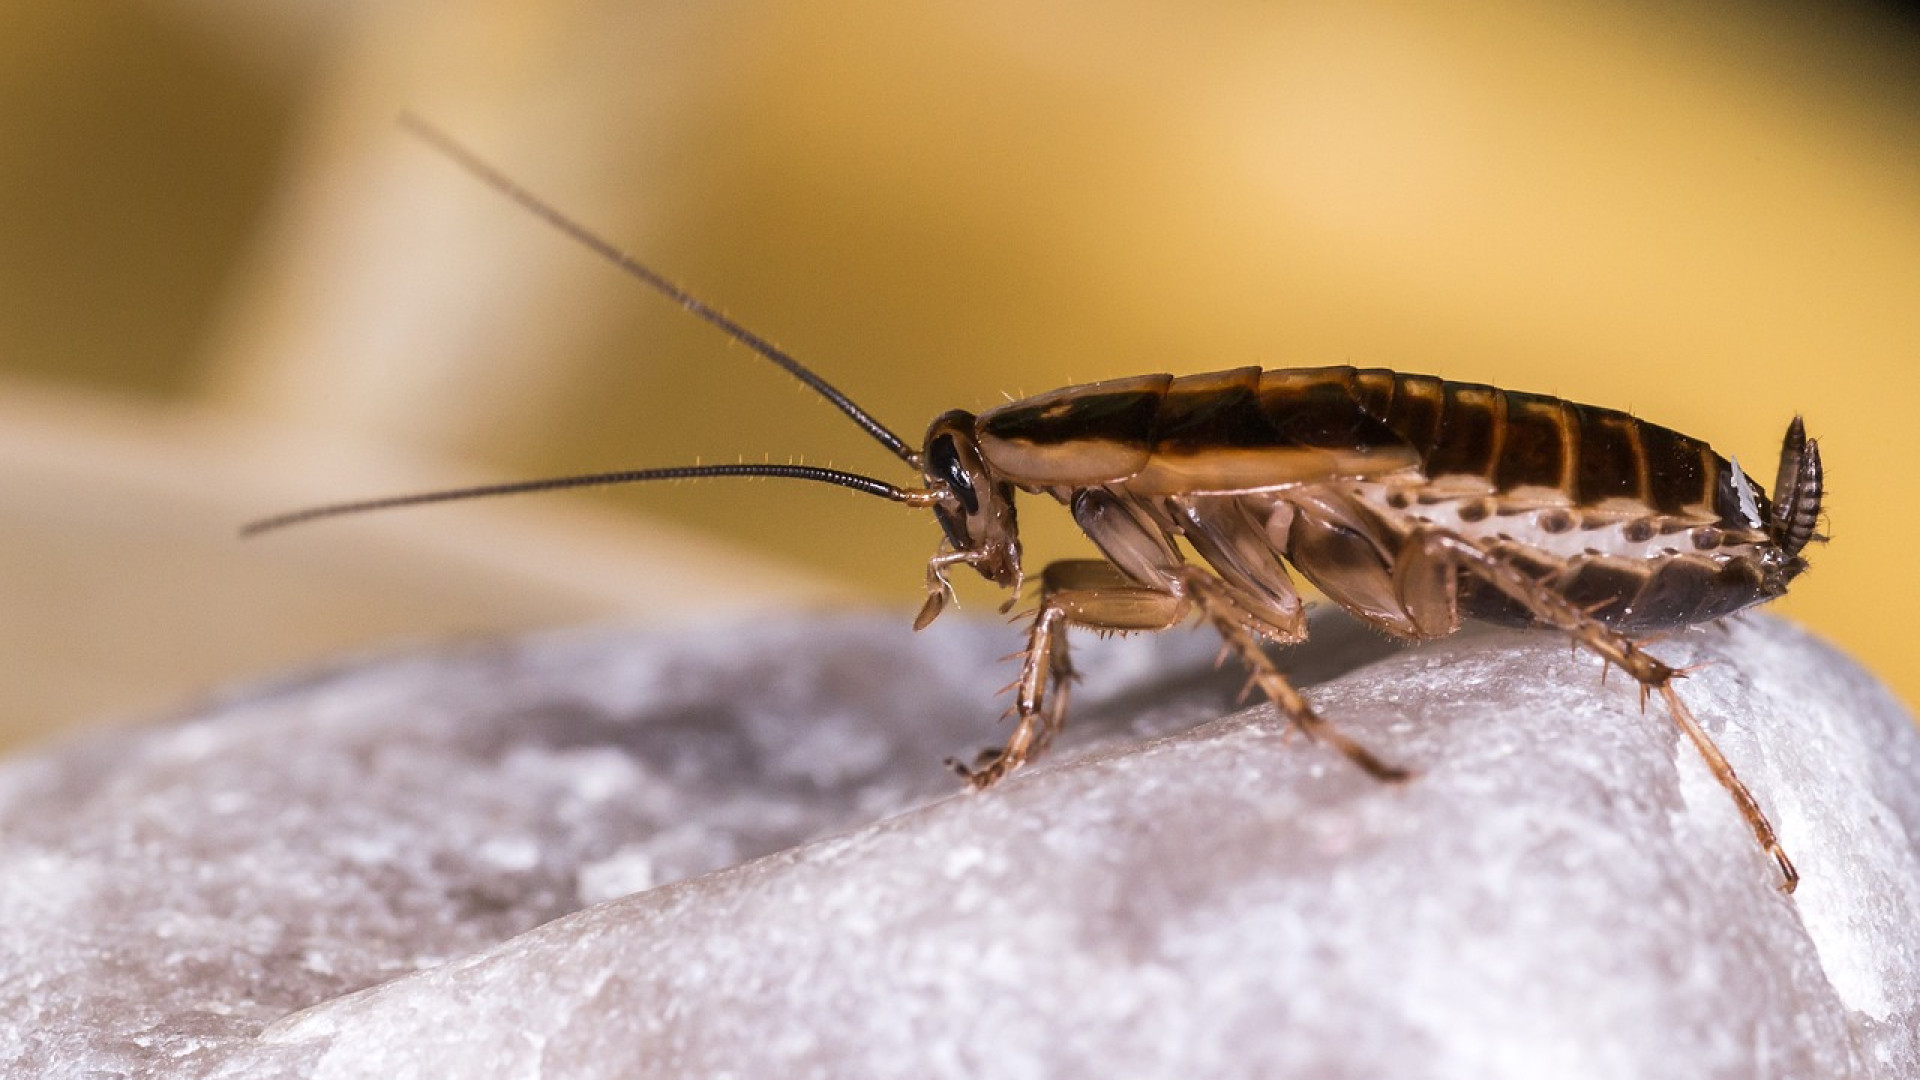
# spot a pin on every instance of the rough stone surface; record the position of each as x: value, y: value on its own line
x: 734, y: 853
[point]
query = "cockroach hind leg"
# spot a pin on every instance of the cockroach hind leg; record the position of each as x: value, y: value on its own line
x: 1743, y: 797
x: 1653, y: 676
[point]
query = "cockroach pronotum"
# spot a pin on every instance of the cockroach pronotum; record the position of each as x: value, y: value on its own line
x: 1410, y: 501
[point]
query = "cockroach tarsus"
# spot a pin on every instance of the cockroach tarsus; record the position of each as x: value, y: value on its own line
x: 1409, y: 501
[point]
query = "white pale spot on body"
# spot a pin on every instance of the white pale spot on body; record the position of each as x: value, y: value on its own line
x: 1749, y: 506
x: 1525, y: 527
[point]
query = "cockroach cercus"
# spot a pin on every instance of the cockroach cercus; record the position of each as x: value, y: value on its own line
x: 1410, y: 501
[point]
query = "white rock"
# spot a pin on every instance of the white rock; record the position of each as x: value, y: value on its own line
x: 1564, y: 891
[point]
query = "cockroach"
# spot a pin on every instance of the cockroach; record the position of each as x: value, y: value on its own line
x: 1412, y: 502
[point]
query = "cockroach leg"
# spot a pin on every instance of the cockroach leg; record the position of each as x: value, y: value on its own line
x: 1217, y: 604
x: 1742, y: 797
x: 1078, y: 592
x: 1046, y: 677
x: 1614, y: 648
x: 939, y: 589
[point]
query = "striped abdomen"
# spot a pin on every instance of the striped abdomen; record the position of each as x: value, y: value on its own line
x: 1248, y: 429
x: 1588, y: 455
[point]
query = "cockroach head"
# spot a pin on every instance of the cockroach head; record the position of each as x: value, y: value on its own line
x: 976, y: 508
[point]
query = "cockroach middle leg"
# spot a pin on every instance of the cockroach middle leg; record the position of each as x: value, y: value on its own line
x: 1216, y: 602
x: 1613, y: 647
x: 1088, y: 593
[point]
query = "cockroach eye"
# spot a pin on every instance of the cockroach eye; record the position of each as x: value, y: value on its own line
x: 946, y: 464
x: 955, y: 527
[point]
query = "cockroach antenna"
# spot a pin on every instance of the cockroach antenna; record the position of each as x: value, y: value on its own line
x: 865, y: 484
x: 653, y: 279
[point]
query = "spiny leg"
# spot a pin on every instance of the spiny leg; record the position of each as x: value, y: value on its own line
x: 1612, y: 647
x: 1078, y: 592
x: 1216, y: 602
x: 1040, y: 702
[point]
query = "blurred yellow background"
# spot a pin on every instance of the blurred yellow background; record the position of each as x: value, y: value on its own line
x: 230, y: 285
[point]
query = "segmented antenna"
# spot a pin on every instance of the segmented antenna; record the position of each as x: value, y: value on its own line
x: 866, y: 484
x: 498, y: 181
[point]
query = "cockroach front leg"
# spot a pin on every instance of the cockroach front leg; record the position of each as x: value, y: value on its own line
x: 1078, y: 592
x: 1428, y: 549
x: 940, y: 590
x: 1098, y: 596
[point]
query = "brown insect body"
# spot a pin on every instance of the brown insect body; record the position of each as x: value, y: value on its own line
x: 1645, y: 528
x: 1410, y: 501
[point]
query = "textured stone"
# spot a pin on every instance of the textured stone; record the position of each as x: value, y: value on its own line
x: 734, y: 853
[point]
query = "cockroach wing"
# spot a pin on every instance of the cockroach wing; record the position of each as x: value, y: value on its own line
x: 1229, y: 431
